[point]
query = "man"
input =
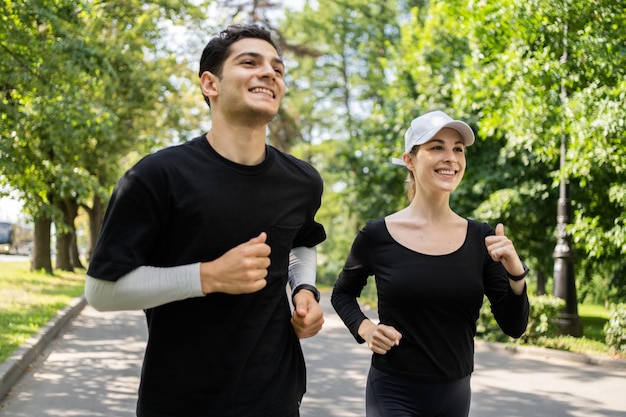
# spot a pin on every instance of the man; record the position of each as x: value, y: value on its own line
x: 205, y: 236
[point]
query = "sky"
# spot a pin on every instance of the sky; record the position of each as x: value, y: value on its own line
x: 10, y: 209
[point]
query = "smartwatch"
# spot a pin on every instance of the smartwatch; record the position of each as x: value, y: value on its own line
x: 519, y: 277
x: 309, y: 287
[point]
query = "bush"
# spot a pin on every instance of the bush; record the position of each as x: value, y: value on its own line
x: 487, y: 328
x: 541, y: 321
x: 615, y: 329
x: 544, y: 310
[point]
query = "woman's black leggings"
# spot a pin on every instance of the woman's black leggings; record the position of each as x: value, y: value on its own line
x: 392, y: 396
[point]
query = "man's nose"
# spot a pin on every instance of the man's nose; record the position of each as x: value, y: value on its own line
x: 267, y: 70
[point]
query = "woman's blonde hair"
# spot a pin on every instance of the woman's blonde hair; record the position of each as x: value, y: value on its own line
x: 409, y: 183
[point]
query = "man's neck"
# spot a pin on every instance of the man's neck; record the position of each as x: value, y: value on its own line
x: 244, y: 145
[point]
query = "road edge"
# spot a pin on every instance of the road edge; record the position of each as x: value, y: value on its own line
x: 547, y: 354
x: 19, y: 362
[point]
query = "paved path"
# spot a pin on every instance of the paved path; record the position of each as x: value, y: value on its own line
x: 93, y: 369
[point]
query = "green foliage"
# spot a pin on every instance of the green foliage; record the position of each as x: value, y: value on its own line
x: 615, y: 329
x: 338, y: 76
x: 542, y: 330
x: 581, y: 345
x: 593, y: 327
x: 602, y: 285
x: 525, y: 75
x: 487, y: 328
x: 89, y: 86
x: 338, y: 223
x: 338, y: 50
x: 86, y: 86
x: 534, y: 82
x: 541, y: 321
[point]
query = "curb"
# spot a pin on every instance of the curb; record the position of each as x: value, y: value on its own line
x: 18, y: 363
x: 547, y: 354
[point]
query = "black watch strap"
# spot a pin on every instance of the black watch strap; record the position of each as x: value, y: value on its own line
x: 309, y: 287
x: 519, y: 277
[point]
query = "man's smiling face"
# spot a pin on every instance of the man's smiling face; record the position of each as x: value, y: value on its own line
x: 252, y: 83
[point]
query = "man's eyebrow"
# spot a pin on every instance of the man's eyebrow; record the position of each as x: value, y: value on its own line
x: 257, y: 55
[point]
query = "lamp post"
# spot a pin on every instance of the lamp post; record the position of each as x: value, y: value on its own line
x: 568, y: 320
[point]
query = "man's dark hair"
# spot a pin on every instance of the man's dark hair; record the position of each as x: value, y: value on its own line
x: 218, y: 49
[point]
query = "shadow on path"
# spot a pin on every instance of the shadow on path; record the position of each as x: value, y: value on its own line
x: 93, y: 369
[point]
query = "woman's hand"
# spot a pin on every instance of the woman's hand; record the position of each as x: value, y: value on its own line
x: 501, y: 249
x: 379, y: 337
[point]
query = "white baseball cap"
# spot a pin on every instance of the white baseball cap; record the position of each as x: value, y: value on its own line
x: 424, y: 127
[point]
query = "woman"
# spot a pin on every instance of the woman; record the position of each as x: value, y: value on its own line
x: 432, y: 268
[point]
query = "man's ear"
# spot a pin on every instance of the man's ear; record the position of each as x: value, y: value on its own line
x: 209, y: 83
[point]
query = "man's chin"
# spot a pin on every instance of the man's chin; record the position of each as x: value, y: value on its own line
x: 263, y: 114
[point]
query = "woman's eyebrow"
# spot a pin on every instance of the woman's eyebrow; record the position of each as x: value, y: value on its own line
x: 460, y: 141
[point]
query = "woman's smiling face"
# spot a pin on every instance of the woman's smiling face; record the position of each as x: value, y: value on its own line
x: 439, y: 164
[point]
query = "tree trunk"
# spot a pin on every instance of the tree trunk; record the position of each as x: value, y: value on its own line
x: 41, y: 247
x: 96, y: 215
x: 74, y: 253
x: 66, y: 236
x: 63, y: 251
x: 541, y: 282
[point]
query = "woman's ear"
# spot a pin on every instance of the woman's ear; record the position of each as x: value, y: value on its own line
x: 408, y: 161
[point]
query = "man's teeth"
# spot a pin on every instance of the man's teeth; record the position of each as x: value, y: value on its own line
x: 263, y: 90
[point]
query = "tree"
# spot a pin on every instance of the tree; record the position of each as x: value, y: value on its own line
x: 553, y: 69
x: 85, y: 85
x: 145, y: 92
x: 501, y: 67
x: 336, y: 54
x: 35, y: 67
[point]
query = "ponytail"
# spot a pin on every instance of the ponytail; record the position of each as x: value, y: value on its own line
x: 409, y: 184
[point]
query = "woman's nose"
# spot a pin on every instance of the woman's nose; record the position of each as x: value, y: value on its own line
x: 450, y: 156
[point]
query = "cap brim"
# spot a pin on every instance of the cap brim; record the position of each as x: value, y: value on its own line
x: 398, y: 161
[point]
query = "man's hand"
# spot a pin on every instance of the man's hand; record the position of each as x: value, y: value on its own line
x: 308, y: 317
x: 241, y: 270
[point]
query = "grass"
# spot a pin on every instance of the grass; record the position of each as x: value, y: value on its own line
x: 593, y: 317
x: 593, y: 342
x: 29, y: 300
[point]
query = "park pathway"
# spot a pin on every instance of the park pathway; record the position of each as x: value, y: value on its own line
x: 93, y: 369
